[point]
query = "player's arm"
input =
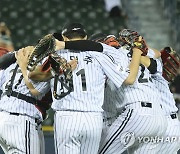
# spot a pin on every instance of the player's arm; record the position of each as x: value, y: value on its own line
x: 149, y: 63
x: 39, y: 75
x: 22, y: 57
x: 134, y: 66
x: 79, y: 45
x: 43, y: 72
x: 119, y: 74
x: 153, y: 53
x: 114, y: 72
x: 157, y: 54
x: 7, y: 59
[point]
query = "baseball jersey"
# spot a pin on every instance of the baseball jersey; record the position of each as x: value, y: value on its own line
x: 1, y: 80
x: 89, y: 79
x: 143, y: 88
x: 136, y: 120
x: 13, y: 104
x: 167, y: 99
x: 112, y: 107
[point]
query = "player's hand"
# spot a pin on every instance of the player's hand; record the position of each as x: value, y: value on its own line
x: 133, y: 40
x: 59, y: 45
x: 73, y: 64
x: 23, y: 54
x: 20, y: 57
x: 137, y: 51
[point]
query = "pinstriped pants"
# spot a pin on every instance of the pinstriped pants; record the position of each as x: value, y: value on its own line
x: 171, y: 142
x: 77, y: 132
x: 20, y: 134
x: 127, y: 130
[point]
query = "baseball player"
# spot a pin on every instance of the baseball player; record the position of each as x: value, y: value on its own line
x: 78, y: 117
x: 20, y: 128
x: 2, y: 52
x: 142, y: 116
x: 1, y: 81
x: 169, y: 106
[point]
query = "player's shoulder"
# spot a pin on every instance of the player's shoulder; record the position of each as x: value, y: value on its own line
x: 150, y: 53
x: 107, y: 47
x: 12, y: 66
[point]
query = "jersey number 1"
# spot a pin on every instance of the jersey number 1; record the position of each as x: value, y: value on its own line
x: 83, y: 78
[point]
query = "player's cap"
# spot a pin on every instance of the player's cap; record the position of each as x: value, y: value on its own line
x: 98, y: 37
x: 70, y: 28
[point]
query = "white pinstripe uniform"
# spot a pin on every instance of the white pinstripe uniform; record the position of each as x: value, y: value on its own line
x: 2, y: 79
x: 19, y: 130
x: 78, y: 118
x: 142, y: 117
x: 172, y: 133
x: 111, y: 108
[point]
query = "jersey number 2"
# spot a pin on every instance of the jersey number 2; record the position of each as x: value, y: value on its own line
x: 141, y: 78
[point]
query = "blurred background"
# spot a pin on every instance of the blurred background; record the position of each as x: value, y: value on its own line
x: 24, y: 22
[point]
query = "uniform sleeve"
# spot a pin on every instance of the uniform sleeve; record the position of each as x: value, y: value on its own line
x: 117, y: 55
x: 83, y: 45
x: 159, y: 65
x: 116, y: 73
x: 153, y: 66
x: 7, y: 59
x: 150, y: 53
x: 2, y: 78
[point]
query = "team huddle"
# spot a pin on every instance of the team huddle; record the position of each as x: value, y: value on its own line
x: 110, y: 94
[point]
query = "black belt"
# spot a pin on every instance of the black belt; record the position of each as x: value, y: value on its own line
x: 17, y: 114
x: 173, y: 116
x: 24, y: 97
x: 146, y: 104
x: 12, y: 113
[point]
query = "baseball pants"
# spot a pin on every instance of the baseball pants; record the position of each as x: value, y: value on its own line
x: 20, y: 134
x: 170, y: 142
x: 133, y: 130
x: 77, y: 132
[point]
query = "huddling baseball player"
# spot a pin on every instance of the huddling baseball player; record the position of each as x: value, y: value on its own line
x: 142, y: 115
x: 78, y: 117
x: 168, y: 65
x: 20, y: 114
x: 24, y: 101
x: 2, y: 52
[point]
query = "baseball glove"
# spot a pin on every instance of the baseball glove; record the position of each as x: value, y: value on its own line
x: 45, y: 47
x: 133, y: 39
x: 62, y: 73
x: 58, y: 65
x: 171, y: 63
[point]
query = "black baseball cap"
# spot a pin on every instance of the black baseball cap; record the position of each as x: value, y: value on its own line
x: 71, y: 28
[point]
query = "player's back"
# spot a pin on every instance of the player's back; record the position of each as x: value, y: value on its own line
x: 14, y: 104
x: 143, y: 88
x: 88, y: 84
